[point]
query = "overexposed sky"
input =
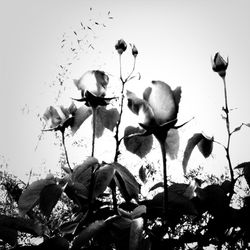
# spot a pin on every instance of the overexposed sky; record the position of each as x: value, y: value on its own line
x: 175, y: 39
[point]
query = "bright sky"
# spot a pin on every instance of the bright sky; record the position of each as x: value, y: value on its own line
x: 175, y: 39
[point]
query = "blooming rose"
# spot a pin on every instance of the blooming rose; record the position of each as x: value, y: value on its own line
x: 159, y: 105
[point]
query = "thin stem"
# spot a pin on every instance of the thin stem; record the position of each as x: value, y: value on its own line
x: 94, y: 130
x: 118, y: 142
x: 165, y: 181
x: 120, y: 63
x: 227, y: 148
x: 133, y: 69
x: 65, y: 150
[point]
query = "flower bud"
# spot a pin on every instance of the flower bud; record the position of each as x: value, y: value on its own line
x: 121, y: 46
x: 134, y: 51
x: 219, y: 64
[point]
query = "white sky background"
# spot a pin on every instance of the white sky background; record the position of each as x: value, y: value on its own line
x: 175, y: 39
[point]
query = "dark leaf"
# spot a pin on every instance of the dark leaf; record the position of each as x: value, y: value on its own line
x: 206, y: 146
x: 126, y: 182
x: 192, y: 142
x: 79, y: 117
x: 87, y: 234
x: 30, y: 196
x: 215, y: 199
x: 21, y: 224
x: 157, y: 185
x: 49, y: 196
x: 8, y: 235
x: 103, y: 177
x: 68, y: 227
x: 246, y: 171
x: 139, y: 145
x: 142, y: 174
x: 82, y: 173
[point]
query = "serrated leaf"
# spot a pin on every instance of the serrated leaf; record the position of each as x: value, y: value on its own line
x: 192, y: 142
x: 30, y: 196
x: 126, y: 182
x: 105, y: 118
x: 206, y: 146
x: 139, y: 145
x: 82, y: 173
x: 103, y: 177
x: 136, y: 230
x: 49, y: 196
x: 172, y: 143
x: 87, y: 233
x: 80, y: 115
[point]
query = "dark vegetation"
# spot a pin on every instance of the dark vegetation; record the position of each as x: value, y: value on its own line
x: 98, y: 205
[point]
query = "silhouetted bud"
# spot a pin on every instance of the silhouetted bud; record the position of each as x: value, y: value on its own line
x: 219, y: 64
x: 134, y: 51
x: 121, y: 46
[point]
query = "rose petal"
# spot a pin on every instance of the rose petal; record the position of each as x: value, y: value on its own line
x: 95, y: 81
x: 141, y: 108
x: 161, y: 99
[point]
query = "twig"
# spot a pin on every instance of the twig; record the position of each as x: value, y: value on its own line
x: 94, y: 130
x: 65, y: 150
x: 227, y: 147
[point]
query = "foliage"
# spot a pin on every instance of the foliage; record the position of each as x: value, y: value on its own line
x: 98, y: 205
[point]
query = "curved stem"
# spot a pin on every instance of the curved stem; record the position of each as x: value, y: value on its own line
x: 165, y: 181
x: 227, y: 148
x: 133, y: 69
x: 65, y: 150
x: 93, y: 134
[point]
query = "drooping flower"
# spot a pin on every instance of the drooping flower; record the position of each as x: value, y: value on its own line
x: 58, y: 117
x: 120, y: 46
x: 219, y: 64
x: 159, y: 105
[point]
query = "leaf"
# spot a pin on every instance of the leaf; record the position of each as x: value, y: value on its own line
x: 138, y: 211
x: 192, y: 142
x: 136, y: 230
x: 172, y: 143
x: 126, y: 182
x: 49, y: 196
x: 215, y: 199
x: 142, y: 174
x: 21, y: 224
x: 109, y: 117
x: 103, y: 177
x: 206, y: 146
x: 30, y: 196
x: 82, y: 173
x: 139, y: 145
x: 8, y: 235
x: 157, y: 185
x: 246, y: 171
x: 80, y: 115
x: 87, y: 234
x: 68, y: 227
